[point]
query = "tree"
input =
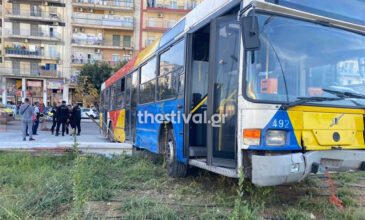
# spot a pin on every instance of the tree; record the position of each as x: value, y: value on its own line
x: 90, y: 79
x: 95, y: 74
x: 87, y: 92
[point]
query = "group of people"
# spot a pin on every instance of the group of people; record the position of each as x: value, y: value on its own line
x: 62, y: 116
x: 66, y: 116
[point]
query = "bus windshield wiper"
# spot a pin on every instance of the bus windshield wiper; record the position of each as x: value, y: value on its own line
x: 345, y: 94
x: 303, y: 100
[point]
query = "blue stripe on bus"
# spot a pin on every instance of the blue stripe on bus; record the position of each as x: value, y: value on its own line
x: 147, y: 133
x: 280, y: 121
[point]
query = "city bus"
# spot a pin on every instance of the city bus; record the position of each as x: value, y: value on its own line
x: 270, y: 89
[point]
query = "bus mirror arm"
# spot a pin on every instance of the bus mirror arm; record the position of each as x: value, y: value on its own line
x: 250, y: 33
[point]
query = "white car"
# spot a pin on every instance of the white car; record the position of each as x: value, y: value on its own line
x: 90, y: 112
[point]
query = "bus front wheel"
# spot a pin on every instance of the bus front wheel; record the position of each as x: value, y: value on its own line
x: 174, y: 167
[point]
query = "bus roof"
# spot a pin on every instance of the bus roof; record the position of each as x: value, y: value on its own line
x: 209, y: 7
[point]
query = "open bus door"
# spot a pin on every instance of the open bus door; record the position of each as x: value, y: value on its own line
x: 212, y: 85
x: 222, y: 91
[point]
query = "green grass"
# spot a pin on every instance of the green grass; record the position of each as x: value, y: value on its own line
x: 48, y: 187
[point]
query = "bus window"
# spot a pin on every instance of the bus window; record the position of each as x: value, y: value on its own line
x: 115, y: 96
x: 111, y: 97
x: 121, y: 93
x: 148, y: 82
x: 171, y: 65
x: 148, y: 71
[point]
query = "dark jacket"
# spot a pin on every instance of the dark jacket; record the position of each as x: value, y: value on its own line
x: 54, y: 111
x: 62, y: 112
x: 76, y: 114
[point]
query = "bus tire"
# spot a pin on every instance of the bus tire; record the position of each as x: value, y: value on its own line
x: 175, y: 168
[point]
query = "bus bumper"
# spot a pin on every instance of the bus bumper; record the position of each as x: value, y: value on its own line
x: 280, y: 169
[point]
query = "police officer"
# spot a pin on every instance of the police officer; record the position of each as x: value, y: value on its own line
x: 62, y: 115
x: 76, y: 119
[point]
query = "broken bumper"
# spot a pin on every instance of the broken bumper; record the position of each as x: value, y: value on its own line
x: 280, y: 169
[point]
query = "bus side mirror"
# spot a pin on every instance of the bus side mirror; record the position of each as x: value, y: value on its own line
x: 250, y: 33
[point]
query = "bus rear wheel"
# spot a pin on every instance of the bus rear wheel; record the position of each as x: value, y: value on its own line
x: 174, y: 167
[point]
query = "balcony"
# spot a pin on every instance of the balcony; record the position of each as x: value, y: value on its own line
x: 33, y: 35
x: 28, y: 54
x: 82, y: 61
x: 27, y: 1
x: 102, y: 44
x: 158, y: 24
x: 117, y: 5
x: 33, y: 72
x: 170, y: 6
x: 102, y: 21
x: 34, y: 15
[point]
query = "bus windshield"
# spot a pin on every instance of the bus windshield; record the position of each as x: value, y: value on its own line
x: 299, y: 59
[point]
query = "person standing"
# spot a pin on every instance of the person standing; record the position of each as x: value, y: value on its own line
x: 37, y: 116
x: 27, y: 112
x: 76, y: 119
x: 54, y: 119
x: 62, y: 115
x: 68, y: 121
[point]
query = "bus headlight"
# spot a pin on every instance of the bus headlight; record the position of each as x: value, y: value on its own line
x: 275, y: 138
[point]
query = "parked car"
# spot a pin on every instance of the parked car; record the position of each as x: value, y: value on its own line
x: 91, y: 112
x: 12, y: 107
x: 8, y: 111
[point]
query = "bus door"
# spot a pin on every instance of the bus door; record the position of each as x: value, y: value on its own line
x: 222, y: 91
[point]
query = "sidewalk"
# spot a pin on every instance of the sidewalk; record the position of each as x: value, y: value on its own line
x: 90, y: 141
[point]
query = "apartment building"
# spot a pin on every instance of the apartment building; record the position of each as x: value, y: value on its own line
x: 102, y: 31
x: 157, y: 16
x: 32, y: 50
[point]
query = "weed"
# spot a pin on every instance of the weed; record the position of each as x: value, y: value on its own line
x: 144, y: 208
x: 295, y: 214
x: 241, y: 208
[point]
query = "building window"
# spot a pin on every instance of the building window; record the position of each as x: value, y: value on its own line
x: 150, y: 40
x: 16, y: 9
x: 151, y: 3
x: 115, y: 57
x: 34, y: 30
x: 151, y: 22
x: 16, y: 28
x: 126, y: 41
x: 16, y: 67
x: 193, y: 4
x: 116, y: 40
x: 52, y: 51
x: 34, y: 69
x: 126, y: 58
x: 173, y: 4
x: 34, y: 11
